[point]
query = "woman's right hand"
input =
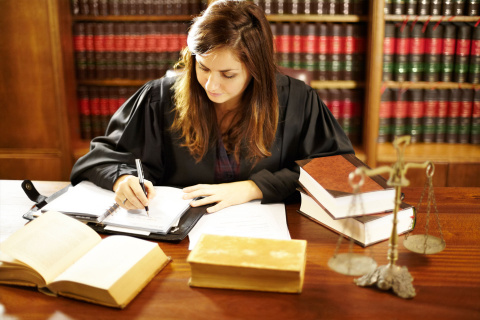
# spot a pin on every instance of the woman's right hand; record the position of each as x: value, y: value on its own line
x: 129, y: 194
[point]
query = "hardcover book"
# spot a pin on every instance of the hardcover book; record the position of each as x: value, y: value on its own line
x: 326, y: 179
x: 63, y: 256
x: 243, y: 263
x: 364, y: 230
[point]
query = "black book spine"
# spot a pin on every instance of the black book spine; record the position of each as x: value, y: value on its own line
x: 417, y: 51
x: 465, y: 115
x: 448, y: 53
x: 472, y: 7
x: 385, y: 116
x: 411, y: 7
x: 388, y: 52
x: 423, y: 8
x: 415, y: 111
x: 435, y: 7
x: 441, y: 119
x: 458, y: 7
x: 398, y: 7
x: 399, y: 112
x: 323, y: 56
x: 447, y: 8
x: 462, y: 53
x: 402, y: 51
x: 433, y: 52
x: 474, y: 68
x: 453, y: 116
x: 430, y: 115
x: 475, y: 130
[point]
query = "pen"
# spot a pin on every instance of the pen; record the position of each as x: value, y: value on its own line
x: 108, y: 212
x: 140, y: 178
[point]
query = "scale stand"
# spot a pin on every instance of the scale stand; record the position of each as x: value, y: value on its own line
x: 391, y: 276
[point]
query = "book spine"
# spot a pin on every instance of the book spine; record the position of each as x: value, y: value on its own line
x: 323, y: 43
x: 360, y: 51
x: 103, y: 7
x: 104, y: 108
x: 385, y: 116
x: 411, y: 7
x: 129, y: 62
x: 448, y: 53
x: 336, y: 44
x: 113, y: 93
x: 441, y: 121
x: 398, y: 7
x: 462, y: 54
x: 458, y: 7
x: 349, y: 52
x: 296, y: 46
x: 352, y: 114
x: 99, y: 49
x: 423, y: 8
x: 284, y: 42
x: 435, y: 7
x: 80, y: 50
x: 465, y: 115
x: 388, y: 7
x: 430, y: 115
x: 415, y: 114
x: 475, y: 131
x: 310, y: 45
x: 119, y: 45
x: 402, y: 51
x: 417, y: 51
x: 84, y: 112
x: 90, y: 50
x: 400, y: 111
x: 95, y: 112
x: 453, y: 116
x: 140, y: 51
x: 474, y: 68
x: 433, y: 52
x: 447, y: 7
x: 335, y: 105
x: 109, y: 40
x: 472, y: 7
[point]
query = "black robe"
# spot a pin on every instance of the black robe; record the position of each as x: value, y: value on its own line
x: 140, y: 129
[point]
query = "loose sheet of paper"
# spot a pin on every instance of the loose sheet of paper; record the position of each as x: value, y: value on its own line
x: 251, y: 219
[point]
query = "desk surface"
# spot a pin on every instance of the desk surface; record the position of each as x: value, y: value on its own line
x: 447, y: 284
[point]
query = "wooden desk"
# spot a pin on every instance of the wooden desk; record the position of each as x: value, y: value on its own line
x: 447, y: 284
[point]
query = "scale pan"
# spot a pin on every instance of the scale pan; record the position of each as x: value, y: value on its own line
x: 352, y: 264
x: 416, y: 243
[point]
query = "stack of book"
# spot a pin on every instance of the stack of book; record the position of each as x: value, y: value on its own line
x: 328, y: 199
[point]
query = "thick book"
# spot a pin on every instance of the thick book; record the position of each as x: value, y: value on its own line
x: 364, y: 230
x: 327, y: 180
x: 89, y: 202
x: 243, y: 263
x: 62, y: 256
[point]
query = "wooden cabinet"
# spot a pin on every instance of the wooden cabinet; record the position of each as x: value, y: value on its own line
x: 40, y: 129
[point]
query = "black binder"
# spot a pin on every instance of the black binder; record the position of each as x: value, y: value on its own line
x: 186, y: 223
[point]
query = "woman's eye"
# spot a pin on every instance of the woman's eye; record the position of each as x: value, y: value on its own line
x: 229, y: 76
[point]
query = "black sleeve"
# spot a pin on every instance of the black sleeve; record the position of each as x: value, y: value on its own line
x: 130, y: 133
x: 309, y: 131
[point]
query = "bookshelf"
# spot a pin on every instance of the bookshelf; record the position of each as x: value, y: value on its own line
x: 69, y: 146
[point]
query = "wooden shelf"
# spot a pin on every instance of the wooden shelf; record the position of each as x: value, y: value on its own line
x: 133, y: 18
x: 395, y: 17
x: 316, y: 84
x: 315, y: 18
x: 430, y: 85
x: 436, y: 152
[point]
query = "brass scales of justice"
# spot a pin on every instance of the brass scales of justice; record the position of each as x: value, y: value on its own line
x: 391, y: 276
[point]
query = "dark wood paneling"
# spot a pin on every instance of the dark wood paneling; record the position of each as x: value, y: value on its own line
x: 417, y: 176
x: 464, y: 175
x: 35, y: 168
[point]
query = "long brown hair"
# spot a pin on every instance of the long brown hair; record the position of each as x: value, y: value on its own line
x: 242, y: 27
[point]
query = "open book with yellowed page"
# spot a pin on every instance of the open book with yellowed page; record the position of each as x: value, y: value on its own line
x: 63, y: 256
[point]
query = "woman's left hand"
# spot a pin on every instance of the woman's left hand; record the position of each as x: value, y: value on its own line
x: 224, y: 195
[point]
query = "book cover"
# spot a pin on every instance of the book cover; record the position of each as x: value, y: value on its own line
x: 364, y: 230
x: 402, y: 51
x: 385, y: 116
x: 465, y: 115
x: 441, y: 120
x: 242, y: 263
x: 399, y: 112
x: 327, y: 180
x: 388, y: 52
x: 430, y: 115
x: 323, y: 56
x: 433, y: 52
x: 462, y: 54
x: 415, y: 115
x: 417, y: 51
x: 453, y: 116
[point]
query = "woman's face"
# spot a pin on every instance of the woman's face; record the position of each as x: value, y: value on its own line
x: 223, y: 77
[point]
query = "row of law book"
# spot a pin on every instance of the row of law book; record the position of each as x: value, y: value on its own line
x: 317, y: 7
x: 130, y: 50
x: 328, y: 198
x: 330, y: 51
x: 430, y: 115
x: 137, y: 7
x: 445, y: 52
x: 96, y: 105
x: 346, y: 105
x: 433, y: 7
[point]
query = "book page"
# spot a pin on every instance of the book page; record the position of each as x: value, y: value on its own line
x: 165, y: 210
x: 251, y: 219
x: 50, y: 243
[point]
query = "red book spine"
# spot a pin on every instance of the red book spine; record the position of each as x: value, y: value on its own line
x: 433, y: 52
x: 297, y: 43
x: 112, y: 100
x: 140, y: 51
x: 99, y: 48
x: 84, y: 112
x: 415, y: 115
x: 104, y: 108
x: 336, y: 45
x: 150, y: 48
x: 402, y: 51
x: 109, y: 43
x: 465, y: 115
x: 441, y: 121
x: 323, y: 42
x: 95, y: 112
x: 453, y: 116
x: 474, y: 72
x: 120, y: 48
x: 448, y: 53
x: 417, y: 44
x: 349, y: 52
x: 310, y: 45
x: 90, y: 50
x: 80, y: 50
x: 430, y: 115
x: 400, y: 112
x: 388, y: 52
x: 462, y: 54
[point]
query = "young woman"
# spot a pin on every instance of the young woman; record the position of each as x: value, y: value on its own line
x: 228, y: 128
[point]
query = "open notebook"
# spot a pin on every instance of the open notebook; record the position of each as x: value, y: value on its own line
x: 86, y: 201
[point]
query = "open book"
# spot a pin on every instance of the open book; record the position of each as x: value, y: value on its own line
x: 88, y: 201
x: 63, y: 256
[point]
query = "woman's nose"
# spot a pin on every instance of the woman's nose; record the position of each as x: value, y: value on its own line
x: 212, y: 82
